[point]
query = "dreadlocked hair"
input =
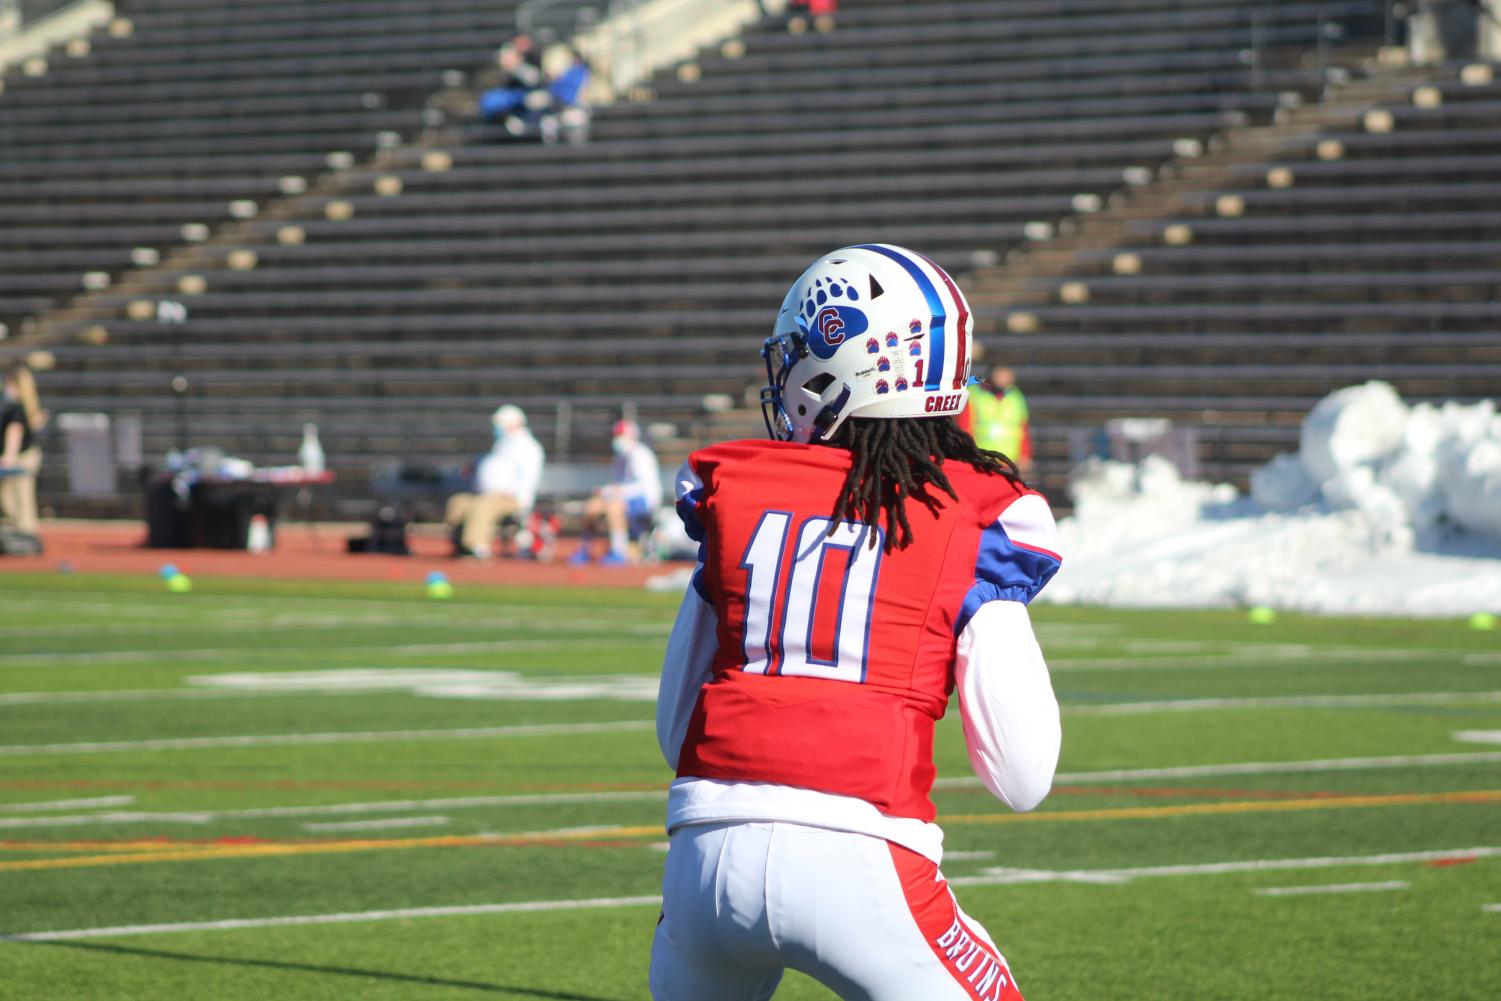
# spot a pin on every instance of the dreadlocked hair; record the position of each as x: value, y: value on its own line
x: 894, y: 460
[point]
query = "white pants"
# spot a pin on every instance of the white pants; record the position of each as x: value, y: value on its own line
x: 870, y: 920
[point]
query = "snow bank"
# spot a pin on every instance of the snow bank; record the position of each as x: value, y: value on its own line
x: 1385, y: 509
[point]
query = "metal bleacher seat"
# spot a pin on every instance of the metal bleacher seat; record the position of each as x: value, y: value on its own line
x: 638, y: 267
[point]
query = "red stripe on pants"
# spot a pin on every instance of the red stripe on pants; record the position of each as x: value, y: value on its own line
x: 969, y: 959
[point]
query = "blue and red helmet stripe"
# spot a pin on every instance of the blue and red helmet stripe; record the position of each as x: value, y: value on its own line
x: 929, y: 291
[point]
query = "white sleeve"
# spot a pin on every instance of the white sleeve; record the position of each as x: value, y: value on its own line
x: 1006, y: 702
x: 642, y: 477
x: 495, y: 474
x: 685, y: 669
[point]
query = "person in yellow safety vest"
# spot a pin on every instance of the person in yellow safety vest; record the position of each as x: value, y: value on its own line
x: 998, y: 417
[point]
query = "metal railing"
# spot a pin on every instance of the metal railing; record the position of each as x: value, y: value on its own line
x: 15, y: 15
x: 564, y: 18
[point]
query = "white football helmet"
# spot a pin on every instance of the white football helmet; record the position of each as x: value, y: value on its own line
x: 868, y: 331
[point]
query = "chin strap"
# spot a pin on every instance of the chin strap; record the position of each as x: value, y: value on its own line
x: 829, y: 415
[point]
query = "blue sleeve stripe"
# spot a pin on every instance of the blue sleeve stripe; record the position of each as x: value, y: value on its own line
x: 1005, y: 571
x: 984, y: 592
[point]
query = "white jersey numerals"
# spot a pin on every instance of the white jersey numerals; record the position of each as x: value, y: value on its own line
x: 783, y: 640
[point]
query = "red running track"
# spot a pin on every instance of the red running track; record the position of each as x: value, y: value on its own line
x: 304, y: 552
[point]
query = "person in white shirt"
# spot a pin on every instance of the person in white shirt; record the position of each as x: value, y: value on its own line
x: 632, y: 496
x: 505, y: 484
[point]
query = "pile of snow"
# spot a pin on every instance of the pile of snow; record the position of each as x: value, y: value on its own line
x: 1385, y: 509
x: 1411, y: 470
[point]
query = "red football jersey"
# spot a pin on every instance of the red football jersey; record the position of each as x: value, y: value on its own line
x: 835, y: 658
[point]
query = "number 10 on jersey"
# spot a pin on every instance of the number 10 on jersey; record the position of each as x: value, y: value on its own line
x: 821, y: 626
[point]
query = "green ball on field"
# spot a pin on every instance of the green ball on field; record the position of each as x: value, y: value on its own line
x: 1261, y: 615
x: 1482, y: 620
x: 440, y: 589
x: 179, y: 584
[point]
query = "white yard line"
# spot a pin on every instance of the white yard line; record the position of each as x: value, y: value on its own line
x: 1302, y: 891
x: 370, y: 682
x: 1282, y: 702
x: 1258, y: 768
x: 215, y: 653
x: 1478, y: 736
x: 242, y: 604
x: 999, y: 875
x: 295, y: 621
x: 141, y: 695
x: 405, y: 913
x: 57, y: 603
x: 1242, y: 655
x: 98, y: 802
x: 344, y: 737
x: 1491, y: 908
x: 339, y: 809
x: 363, y: 681
x: 386, y: 824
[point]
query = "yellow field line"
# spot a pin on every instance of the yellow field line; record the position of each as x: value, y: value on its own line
x: 137, y: 852
x: 1234, y: 806
x: 266, y: 849
x: 110, y: 846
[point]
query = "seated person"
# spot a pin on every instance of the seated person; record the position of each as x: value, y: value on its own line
x: 631, y: 498
x: 542, y: 97
x: 505, y: 484
x: 521, y: 63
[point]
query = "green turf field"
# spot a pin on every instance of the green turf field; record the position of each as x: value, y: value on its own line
x: 462, y: 799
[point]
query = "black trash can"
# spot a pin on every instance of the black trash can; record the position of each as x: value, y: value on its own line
x: 219, y: 514
x: 166, y: 516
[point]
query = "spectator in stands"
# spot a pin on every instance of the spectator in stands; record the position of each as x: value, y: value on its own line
x: 1447, y: 29
x: 520, y: 61
x: 542, y: 96
x: 819, y: 12
x: 505, y: 484
x: 564, y: 116
x: 627, y: 505
x: 21, y: 420
x: 998, y: 418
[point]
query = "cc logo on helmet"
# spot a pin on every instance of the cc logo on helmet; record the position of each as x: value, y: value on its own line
x: 832, y: 325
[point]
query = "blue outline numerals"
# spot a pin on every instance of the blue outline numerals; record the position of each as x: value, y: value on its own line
x: 788, y: 650
x: 762, y: 564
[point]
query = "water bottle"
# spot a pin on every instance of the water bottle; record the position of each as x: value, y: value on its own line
x: 310, y: 455
x: 258, y: 539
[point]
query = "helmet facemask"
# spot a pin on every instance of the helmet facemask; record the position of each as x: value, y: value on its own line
x: 780, y: 351
x: 818, y: 395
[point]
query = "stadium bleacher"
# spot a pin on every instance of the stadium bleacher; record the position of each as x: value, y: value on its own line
x: 349, y: 262
x: 1362, y: 250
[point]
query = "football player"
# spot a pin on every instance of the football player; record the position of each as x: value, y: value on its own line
x: 854, y: 571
